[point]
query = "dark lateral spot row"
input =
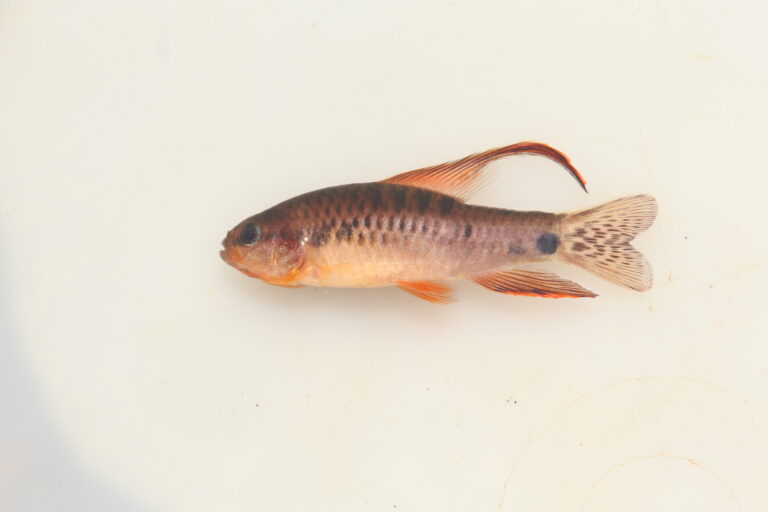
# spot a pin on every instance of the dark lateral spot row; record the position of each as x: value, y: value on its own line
x: 467, y: 230
x: 319, y: 237
x: 547, y: 243
x: 374, y: 195
x: 398, y: 199
x: 446, y: 205
x: 423, y: 198
x: 344, y: 232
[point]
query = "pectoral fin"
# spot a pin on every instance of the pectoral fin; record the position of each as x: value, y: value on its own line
x: 433, y: 292
x: 463, y: 177
x: 531, y: 282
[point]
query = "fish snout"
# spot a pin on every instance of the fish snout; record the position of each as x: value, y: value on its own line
x: 229, y: 253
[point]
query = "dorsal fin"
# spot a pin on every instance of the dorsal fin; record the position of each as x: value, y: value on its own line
x: 463, y: 177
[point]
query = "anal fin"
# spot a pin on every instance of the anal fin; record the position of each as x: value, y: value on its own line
x: 433, y: 292
x: 531, y: 282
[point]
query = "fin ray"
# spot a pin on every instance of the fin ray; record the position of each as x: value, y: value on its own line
x: 437, y: 293
x: 597, y: 239
x: 531, y: 282
x: 461, y: 178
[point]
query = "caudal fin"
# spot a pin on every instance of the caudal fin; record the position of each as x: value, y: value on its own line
x: 598, y: 239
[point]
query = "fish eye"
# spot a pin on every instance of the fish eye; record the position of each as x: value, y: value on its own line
x: 250, y: 234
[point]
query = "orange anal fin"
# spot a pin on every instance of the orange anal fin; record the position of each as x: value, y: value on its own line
x: 462, y: 177
x: 433, y: 292
x: 531, y: 282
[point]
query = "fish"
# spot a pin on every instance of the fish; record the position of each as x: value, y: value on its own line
x: 417, y: 231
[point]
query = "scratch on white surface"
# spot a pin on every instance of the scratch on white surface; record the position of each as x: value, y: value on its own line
x: 512, y: 471
x: 758, y: 439
x: 726, y: 310
x: 744, y: 400
x: 720, y: 322
x: 662, y: 455
x: 593, y: 339
x: 740, y: 399
x: 154, y: 389
x: 737, y: 273
x: 578, y: 349
x: 646, y: 378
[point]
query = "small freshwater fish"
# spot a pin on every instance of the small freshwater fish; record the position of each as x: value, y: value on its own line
x: 416, y: 231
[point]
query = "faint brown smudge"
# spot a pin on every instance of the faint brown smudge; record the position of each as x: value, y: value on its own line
x: 702, y: 57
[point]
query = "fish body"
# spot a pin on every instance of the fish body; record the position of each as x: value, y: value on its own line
x: 416, y: 231
x: 374, y: 234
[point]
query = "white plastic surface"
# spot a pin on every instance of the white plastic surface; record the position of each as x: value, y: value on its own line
x: 139, y: 372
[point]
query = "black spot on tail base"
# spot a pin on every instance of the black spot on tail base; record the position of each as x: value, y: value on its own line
x: 547, y: 243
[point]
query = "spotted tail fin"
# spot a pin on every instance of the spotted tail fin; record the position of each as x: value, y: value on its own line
x: 598, y: 239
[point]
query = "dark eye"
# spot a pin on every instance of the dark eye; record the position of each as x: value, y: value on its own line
x: 249, y: 235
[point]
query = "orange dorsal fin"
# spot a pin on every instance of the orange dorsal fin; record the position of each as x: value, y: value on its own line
x: 463, y: 177
x: 433, y: 292
x: 531, y: 282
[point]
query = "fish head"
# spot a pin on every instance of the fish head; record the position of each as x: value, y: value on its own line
x: 261, y: 248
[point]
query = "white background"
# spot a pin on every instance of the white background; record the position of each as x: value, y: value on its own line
x: 139, y: 372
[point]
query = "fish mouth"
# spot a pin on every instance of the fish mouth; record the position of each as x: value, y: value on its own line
x: 232, y: 256
x: 229, y: 253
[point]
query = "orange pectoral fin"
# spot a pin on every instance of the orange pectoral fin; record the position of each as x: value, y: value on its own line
x: 530, y: 282
x: 433, y: 292
x: 462, y: 177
